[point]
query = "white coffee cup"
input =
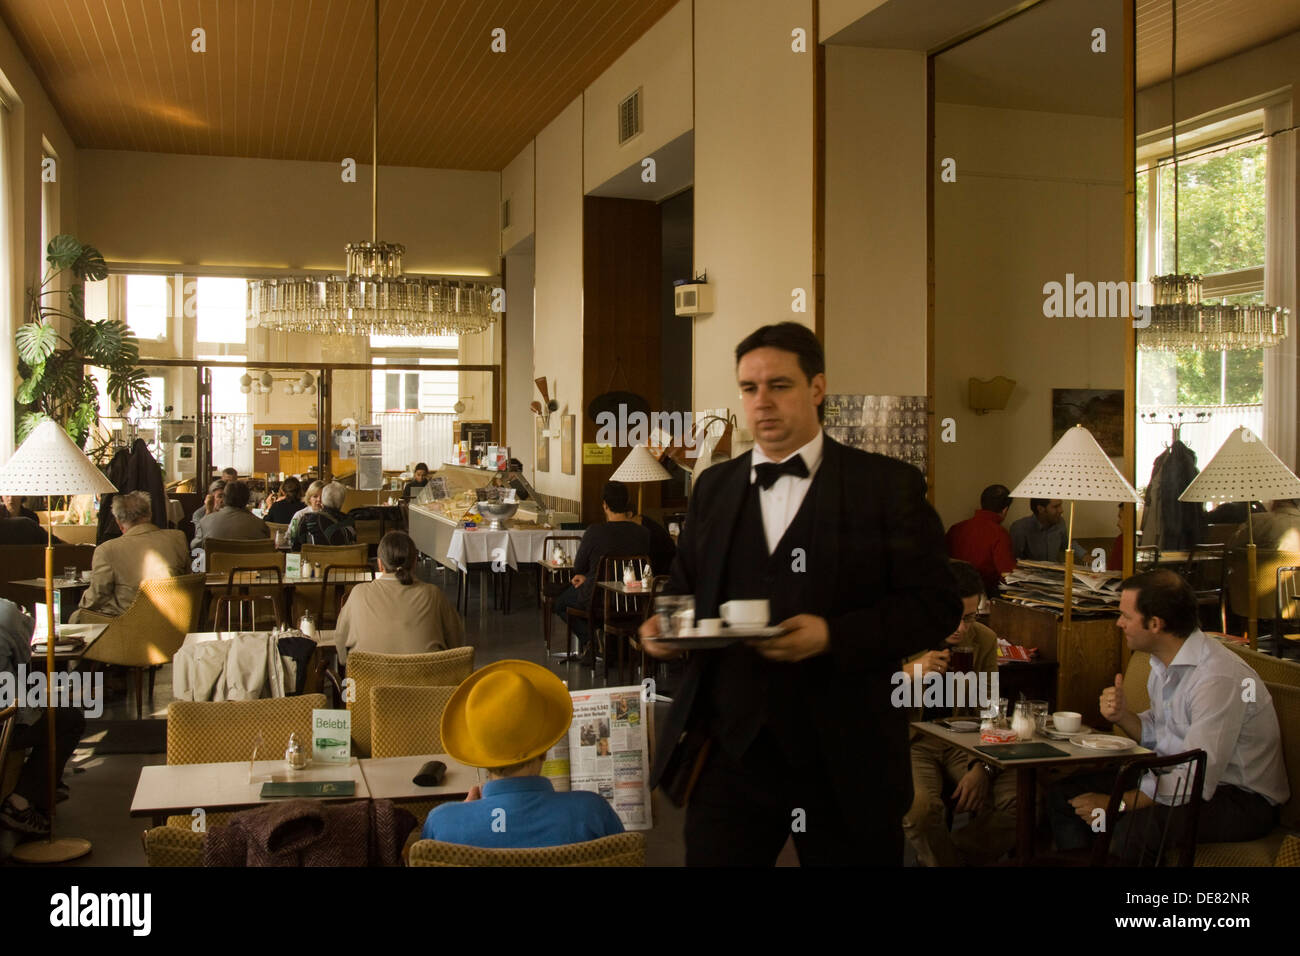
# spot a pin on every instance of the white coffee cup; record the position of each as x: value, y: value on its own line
x: 740, y: 613
x: 1067, y: 721
x: 710, y: 627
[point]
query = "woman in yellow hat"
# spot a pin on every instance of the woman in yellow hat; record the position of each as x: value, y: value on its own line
x: 505, y: 717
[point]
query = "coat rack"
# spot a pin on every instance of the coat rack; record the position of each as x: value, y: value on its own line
x: 1176, y: 421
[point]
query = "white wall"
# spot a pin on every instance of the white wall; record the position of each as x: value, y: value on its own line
x: 519, y: 358
x: 1037, y: 195
x: 517, y: 186
x: 753, y: 177
x: 557, y: 345
x: 875, y: 221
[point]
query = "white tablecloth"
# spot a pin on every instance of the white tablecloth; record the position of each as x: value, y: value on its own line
x: 517, y: 546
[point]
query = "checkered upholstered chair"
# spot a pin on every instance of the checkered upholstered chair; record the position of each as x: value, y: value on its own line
x: 152, y: 629
x: 622, y: 849
x: 367, y: 671
x: 406, y: 721
x: 173, y: 846
x: 1289, y: 854
x: 225, y: 731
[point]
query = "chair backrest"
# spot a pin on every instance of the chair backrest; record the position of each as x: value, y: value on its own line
x: 328, y: 554
x: 223, y: 561
x: 1273, y: 670
x: 237, y: 546
x: 621, y: 849
x: 236, y: 613
x: 1237, y: 583
x: 275, y: 527
x: 568, y: 543
x: 1286, y: 702
x: 224, y: 731
x: 1135, y: 682
x: 405, y: 721
x: 369, y: 530
x: 1181, y: 780
x: 151, y: 630
x: 1287, y: 592
x: 368, y: 671
x: 1205, y: 568
x: 610, y: 568
x: 337, y: 583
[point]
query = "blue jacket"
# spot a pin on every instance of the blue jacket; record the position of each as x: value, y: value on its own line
x: 521, y: 812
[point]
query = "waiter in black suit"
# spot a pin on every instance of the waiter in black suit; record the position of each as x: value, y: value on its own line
x: 795, y: 735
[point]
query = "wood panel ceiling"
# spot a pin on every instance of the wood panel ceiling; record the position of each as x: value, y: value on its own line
x: 1208, y: 30
x: 293, y: 79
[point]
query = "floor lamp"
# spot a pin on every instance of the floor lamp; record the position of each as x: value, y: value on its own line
x: 1245, y: 469
x: 638, y: 467
x: 49, y: 464
x: 1076, y: 469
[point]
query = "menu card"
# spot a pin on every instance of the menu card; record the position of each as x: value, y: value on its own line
x: 331, y: 736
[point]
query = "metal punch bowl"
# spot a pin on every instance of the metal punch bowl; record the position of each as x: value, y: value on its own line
x: 497, y: 512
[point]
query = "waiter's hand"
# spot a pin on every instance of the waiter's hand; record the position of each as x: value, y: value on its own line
x: 656, y: 649
x: 808, y: 635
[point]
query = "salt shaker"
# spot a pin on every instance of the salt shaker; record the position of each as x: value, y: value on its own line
x: 295, y: 756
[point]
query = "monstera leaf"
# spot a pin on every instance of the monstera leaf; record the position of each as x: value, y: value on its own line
x: 63, y: 250
x: 36, y: 342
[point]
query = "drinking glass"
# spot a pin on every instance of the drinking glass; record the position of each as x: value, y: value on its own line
x: 675, y: 612
x: 1039, y: 709
x: 71, y: 574
x: 962, y: 659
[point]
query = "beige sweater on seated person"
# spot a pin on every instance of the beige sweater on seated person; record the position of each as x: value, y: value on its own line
x: 385, y: 616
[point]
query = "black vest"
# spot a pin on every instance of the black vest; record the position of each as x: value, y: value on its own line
x: 749, y: 692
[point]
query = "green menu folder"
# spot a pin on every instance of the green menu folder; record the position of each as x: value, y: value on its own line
x: 311, y: 788
x: 1032, y: 751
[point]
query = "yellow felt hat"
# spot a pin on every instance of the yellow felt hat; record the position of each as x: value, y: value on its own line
x: 506, y: 713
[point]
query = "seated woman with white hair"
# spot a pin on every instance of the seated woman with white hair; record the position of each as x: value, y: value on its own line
x: 311, y: 500
x: 328, y: 525
x: 394, y: 613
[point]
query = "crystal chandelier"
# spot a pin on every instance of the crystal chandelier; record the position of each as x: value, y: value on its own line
x: 375, y: 297
x: 1178, y: 318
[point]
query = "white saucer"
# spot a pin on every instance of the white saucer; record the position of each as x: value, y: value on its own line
x: 1104, y: 742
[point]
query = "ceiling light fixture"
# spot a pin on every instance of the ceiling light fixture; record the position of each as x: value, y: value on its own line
x: 1178, y: 318
x: 375, y: 298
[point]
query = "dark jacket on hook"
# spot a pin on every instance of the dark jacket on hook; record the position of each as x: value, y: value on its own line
x: 135, y: 470
x: 1167, y: 523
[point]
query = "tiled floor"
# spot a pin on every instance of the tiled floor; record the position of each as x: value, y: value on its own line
x: 102, y: 785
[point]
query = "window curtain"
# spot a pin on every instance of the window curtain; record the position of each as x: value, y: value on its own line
x: 10, y: 270
x: 1280, y: 397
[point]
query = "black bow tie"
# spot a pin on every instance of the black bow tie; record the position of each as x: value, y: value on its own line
x: 768, y: 472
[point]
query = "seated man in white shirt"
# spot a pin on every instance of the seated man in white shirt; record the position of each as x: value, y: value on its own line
x: 1203, y: 697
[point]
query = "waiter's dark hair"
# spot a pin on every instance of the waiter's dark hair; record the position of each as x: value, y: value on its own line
x: 616, y: 497
x: 1167, y: 595
x: 969, y: 582
x: 995, y: 498
x: 397, y: 554
x: 789, y: 337
x: 292, y: 487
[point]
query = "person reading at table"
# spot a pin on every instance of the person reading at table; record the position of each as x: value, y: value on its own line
x: 1197, y: 703
x: 27, y: 809
x: 395, y: 613
x: 978, y: 788
x: 232, y: 521
x: 143, y: 551
x: 505, y: 717
x: 620, y: 533
x: 799, y: 727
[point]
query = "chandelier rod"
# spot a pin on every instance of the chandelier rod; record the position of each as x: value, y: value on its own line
x: 374, y: 145
x: 1173, y: 104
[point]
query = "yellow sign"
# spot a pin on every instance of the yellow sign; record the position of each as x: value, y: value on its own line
x: 593, y: 454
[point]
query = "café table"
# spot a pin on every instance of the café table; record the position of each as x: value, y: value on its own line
x: 392, y: 778
x: 164, y: 790
x: 89, y: 634
x: 1027, y: 772
x: 485, y: 547
x: 69, y: 592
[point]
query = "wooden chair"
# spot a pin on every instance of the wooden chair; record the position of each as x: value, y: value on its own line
x: 611, y: 613
x: 150, y: 631
x: 367, y: 671
x: 1187, y: 789
x: 241, y: 612
x: 250, y: 573
x: 1205, y: 570
x: 1285, y: 610
x: 622, y: 849
x: 330, y: 554
x: 1237, y: 585
x: 233, y: 546
x: 634, y: 638
x: 336, y: 584
x: 551, y: 582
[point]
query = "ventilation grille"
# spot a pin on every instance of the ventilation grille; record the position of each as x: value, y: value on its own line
x: 629, y: 117
x: 505, y: 214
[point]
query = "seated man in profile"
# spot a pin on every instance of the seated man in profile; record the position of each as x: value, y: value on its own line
x: 143, y: 551
x: 1199, y: 701
x: 505, y: 717
x: 979, y: 788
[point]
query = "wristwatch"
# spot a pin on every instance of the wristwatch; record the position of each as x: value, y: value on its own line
x: 987, y: 768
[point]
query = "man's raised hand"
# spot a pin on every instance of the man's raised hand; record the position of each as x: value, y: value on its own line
x: 1113, y: 706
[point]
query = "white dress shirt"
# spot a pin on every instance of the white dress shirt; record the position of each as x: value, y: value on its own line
x: 781, y: 502
x: 1197, y: 703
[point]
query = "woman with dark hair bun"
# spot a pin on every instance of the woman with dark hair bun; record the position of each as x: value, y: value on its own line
x: 395, y: 613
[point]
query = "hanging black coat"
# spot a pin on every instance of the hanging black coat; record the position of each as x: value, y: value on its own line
x: 1167, y: 523
x: 138, y: 472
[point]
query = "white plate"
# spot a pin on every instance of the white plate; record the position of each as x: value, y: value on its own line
x: 962, y: 726
x: 1107, y: 742
x: 1055, y: 734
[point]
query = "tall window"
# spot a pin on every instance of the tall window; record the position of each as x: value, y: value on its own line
x: 410, y: 391
x: 221, y: 310
x: 146, y: 306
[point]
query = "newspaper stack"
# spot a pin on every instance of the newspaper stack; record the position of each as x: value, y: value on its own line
x: 1042, y: 584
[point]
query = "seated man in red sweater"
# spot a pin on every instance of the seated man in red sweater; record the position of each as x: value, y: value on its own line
x: 982, y: 541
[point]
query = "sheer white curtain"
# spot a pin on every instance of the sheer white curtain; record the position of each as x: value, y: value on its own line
x: 9, y: 272
x: 1280, y: 396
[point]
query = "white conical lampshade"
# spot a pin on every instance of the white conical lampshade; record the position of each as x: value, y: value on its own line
x: 1244, y: 469
x: 640, y: 465
x: 1076, y: 469
x: 48, y: 463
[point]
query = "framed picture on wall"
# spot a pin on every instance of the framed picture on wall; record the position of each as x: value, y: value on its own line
x: 542, y: 446
x: 566, y: 444
x: 1100, y: 410
x: 306, y: 439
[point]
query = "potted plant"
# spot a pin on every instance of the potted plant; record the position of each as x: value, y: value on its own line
x: 55, y: 383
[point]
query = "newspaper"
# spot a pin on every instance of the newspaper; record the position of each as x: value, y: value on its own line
x: 607, y: 752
